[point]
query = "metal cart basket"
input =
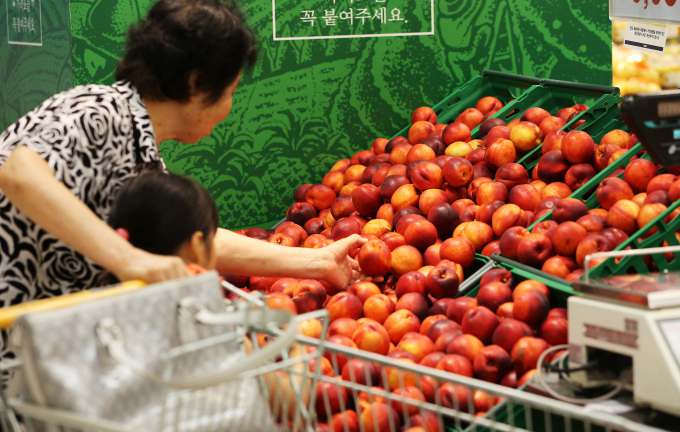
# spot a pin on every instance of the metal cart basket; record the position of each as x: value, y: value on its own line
x: 302, y: 387
x: 251, y: 377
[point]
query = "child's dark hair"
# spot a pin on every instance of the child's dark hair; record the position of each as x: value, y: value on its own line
x: 161, y: 211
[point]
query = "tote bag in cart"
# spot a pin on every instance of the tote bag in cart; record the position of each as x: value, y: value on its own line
x: 145, y: 361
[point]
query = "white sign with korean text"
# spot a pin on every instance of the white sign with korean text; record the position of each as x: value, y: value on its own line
x: 647, y: 10
x: 645, y: 37
x: 326, y: 17
x: 24, y: 22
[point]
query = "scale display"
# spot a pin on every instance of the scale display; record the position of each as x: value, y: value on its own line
x: 669, y: 109
x: 655, y: 119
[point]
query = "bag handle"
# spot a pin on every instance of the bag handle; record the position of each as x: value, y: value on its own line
x: 110, y: 336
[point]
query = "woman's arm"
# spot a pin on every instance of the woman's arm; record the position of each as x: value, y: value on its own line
x: 241, y: 255
x: 29, y: 183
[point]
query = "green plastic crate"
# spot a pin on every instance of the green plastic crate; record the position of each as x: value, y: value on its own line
x: 520, y: 93
x: 661, y: 229
x: 560, y: 291
x: 504, y: 86
x: 553, y: 96
x: 598, y: 129
x: 587, y: 191
x: 601, y: 117
x: 665, y: 232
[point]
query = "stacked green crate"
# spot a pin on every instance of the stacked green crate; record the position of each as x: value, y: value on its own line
x: 597, y: 130
x: 520, y: 93
x: 662, y: 231
x: 506, y: 87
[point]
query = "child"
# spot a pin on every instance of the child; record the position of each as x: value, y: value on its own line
x: 167, y: 214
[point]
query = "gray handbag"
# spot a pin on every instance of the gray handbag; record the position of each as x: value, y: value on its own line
x: 166, y: 357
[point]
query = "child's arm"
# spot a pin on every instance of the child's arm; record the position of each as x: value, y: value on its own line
x: 241, y: 255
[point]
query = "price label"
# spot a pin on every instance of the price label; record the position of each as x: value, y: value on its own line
x: 645, y: 37
x: 24, y: 22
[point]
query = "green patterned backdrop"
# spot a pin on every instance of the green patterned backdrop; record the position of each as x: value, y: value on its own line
x: 309, y: 102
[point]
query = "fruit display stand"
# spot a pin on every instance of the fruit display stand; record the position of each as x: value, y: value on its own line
x: 599, y: 129
x: 504, y: 86
x: 660, y: 231
x: 434, y: 203
x: 598, y: 112
x: 381, y: 393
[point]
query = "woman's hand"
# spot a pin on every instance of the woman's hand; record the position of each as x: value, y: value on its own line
x: 341, y: 269
x: 151, y: 268
x: 241, y: 255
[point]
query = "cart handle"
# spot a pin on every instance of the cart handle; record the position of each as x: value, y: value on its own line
x: 9, y: 315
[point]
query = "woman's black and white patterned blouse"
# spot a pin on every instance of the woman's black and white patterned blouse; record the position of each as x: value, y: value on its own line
x: 94, y: 138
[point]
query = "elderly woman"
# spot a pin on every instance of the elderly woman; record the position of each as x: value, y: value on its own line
x: 62, y: 164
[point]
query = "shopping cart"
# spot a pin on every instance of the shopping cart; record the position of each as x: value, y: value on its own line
x: 266, y: 386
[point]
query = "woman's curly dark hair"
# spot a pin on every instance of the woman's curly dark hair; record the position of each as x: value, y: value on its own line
x: 180, y: 39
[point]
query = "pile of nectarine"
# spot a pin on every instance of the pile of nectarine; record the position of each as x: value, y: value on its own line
x: 626, y: 204
x: 427, y: 203
x: 496, y: 336
x: 439, y: 195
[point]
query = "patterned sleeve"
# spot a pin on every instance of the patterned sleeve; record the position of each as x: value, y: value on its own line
x: 80, y: 140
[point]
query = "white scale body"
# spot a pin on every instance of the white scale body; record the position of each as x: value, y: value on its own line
x: 651, y: 338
